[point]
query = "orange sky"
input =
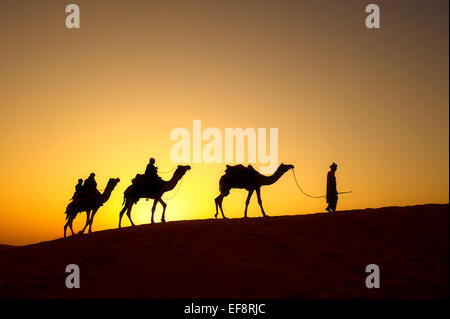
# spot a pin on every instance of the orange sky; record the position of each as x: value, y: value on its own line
x: 105, y: 98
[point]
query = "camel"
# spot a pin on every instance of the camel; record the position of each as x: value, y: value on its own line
x: 92, y: 207
x: 251, y: 181
x: 133, y: 194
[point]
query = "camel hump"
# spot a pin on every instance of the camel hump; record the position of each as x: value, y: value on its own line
x: 145, y: 179
x: 138, y: 178
x: 239, y: 169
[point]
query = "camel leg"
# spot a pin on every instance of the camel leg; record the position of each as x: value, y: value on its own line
x: 250, y: 193
x: 219, y: 200
x: 88, y: 218
x: 121, y: 214
x: 164, y: 205
x: 153, y: 210
x: 65, y: 226
x: 92, y: 219
x: 217, y: 206
x: 129, y: 215
x: 258, y: 193
x: 70, y: 225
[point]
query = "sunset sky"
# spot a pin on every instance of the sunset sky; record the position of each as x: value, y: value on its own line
x: 104, y: 98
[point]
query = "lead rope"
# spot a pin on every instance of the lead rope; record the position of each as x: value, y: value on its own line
x: 301, y: 190
x: 176, y: 192
x: 168, y: 171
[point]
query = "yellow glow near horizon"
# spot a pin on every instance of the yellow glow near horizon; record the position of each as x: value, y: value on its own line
x: 105, y: 98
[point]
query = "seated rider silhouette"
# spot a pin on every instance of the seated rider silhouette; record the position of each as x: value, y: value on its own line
x: 90, y: 187
x: 150, y: 178
x: 151, y: 171
x: 78, y: 190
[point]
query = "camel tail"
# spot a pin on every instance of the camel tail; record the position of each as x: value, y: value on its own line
x: 67, y: 212
x: 127, y: 194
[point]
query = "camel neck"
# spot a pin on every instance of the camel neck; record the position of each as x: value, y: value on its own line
x: 172, y: 182
x: 106, y: 194
x: 268, y: 180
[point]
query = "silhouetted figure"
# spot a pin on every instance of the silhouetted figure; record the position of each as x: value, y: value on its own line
x: 151, y: 170
x: 90, y: 182
x: 78, y: 190
x: 154, y: 190
x: 332, y: 193
x: 90, y: 187
x: 89, y: 205
x: 248, y: 178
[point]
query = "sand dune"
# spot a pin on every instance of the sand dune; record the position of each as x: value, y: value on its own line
x: 304, y: 256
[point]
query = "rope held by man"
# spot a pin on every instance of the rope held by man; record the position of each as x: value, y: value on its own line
x: 322, y: 196
x: 176, y: 191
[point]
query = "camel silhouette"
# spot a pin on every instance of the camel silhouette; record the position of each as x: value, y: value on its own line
x: 90, y: 207
x: 133, y: 194
x: 251, y: 181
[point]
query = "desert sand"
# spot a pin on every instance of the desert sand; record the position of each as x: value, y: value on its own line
x: 301, y: 256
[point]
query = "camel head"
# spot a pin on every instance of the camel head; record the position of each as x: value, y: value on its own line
x: 285, y: 167
x: 181, y: 170
x: 112, y: 183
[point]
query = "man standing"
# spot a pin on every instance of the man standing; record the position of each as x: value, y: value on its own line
x: 332, y: 193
